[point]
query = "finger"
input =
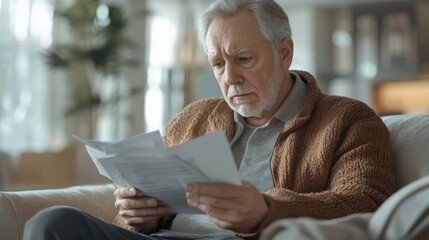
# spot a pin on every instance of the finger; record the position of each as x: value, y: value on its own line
x: 212, y: 211
x: 125, y: 192
x: 215, y: 189
x: 219, y: 213
x: 143, y: 213
x: 133, y: 221
x: 136, y: 203
x: 216, y: 202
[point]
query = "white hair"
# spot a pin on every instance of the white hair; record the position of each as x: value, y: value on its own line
x: 272, y: 20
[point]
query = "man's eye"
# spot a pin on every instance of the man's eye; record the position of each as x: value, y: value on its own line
x: 244, y: 59
x: 218, y: 65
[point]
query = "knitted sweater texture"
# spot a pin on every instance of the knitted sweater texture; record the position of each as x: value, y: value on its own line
x: 332, y: 159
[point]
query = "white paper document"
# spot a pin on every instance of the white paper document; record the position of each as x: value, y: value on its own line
x: 144, y: 162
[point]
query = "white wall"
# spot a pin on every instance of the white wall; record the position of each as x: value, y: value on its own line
x: 303, y: 34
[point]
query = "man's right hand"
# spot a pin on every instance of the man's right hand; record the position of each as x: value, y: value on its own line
x: 140, y: 212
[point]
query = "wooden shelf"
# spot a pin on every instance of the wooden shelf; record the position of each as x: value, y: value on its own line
x: 401, y: 97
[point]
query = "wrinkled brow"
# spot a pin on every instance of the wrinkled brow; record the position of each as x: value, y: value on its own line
x: 213, y: 55
x: 240, y: 51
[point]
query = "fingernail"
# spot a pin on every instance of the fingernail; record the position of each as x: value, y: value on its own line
x: 132, y: 191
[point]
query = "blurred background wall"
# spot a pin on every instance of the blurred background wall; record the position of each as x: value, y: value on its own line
x: 107, y: 69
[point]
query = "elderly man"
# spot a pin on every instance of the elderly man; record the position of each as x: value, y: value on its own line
x: 299, y: 152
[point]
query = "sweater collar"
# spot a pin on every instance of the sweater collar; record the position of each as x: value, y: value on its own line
x: 223, y: 116
x: 313, y: 95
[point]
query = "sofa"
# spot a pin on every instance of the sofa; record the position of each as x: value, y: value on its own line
x: 410, y: 147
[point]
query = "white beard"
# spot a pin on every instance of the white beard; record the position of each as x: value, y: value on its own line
x: 267, y: 101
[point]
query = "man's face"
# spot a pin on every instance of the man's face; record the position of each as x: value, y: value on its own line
x: 244, y: 66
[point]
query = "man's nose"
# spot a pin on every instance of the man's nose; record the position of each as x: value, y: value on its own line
x: 232, y: 74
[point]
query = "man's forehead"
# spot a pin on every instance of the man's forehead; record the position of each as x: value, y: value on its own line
x: 231, y: 44
x: 233, y: 33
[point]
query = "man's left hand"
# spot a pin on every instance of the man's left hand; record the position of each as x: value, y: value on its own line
x: 237, y: 208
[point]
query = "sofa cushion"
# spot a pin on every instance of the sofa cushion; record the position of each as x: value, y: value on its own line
x: 409, y: 142
x: 405, y: 215
x: 17, y: 207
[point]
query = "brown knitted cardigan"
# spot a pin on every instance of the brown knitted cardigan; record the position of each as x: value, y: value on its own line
x: 332, y: 159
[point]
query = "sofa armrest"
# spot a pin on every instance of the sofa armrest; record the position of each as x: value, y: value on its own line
x: 17, y: 207
x: 409, y: 137
x: 351, y: 227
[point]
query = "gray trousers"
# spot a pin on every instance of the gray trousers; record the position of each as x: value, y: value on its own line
x: 61, y: 222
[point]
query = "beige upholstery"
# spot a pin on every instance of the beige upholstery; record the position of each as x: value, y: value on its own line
x: 5, y: 169
x: 17, y: 207
x: 409, y: 142
x: 35, y: 170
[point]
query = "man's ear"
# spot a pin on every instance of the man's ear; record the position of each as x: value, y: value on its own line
x: 286, y: 53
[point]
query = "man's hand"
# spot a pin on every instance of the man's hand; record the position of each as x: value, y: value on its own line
x: 238, y: 208
x: 140, y: 212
